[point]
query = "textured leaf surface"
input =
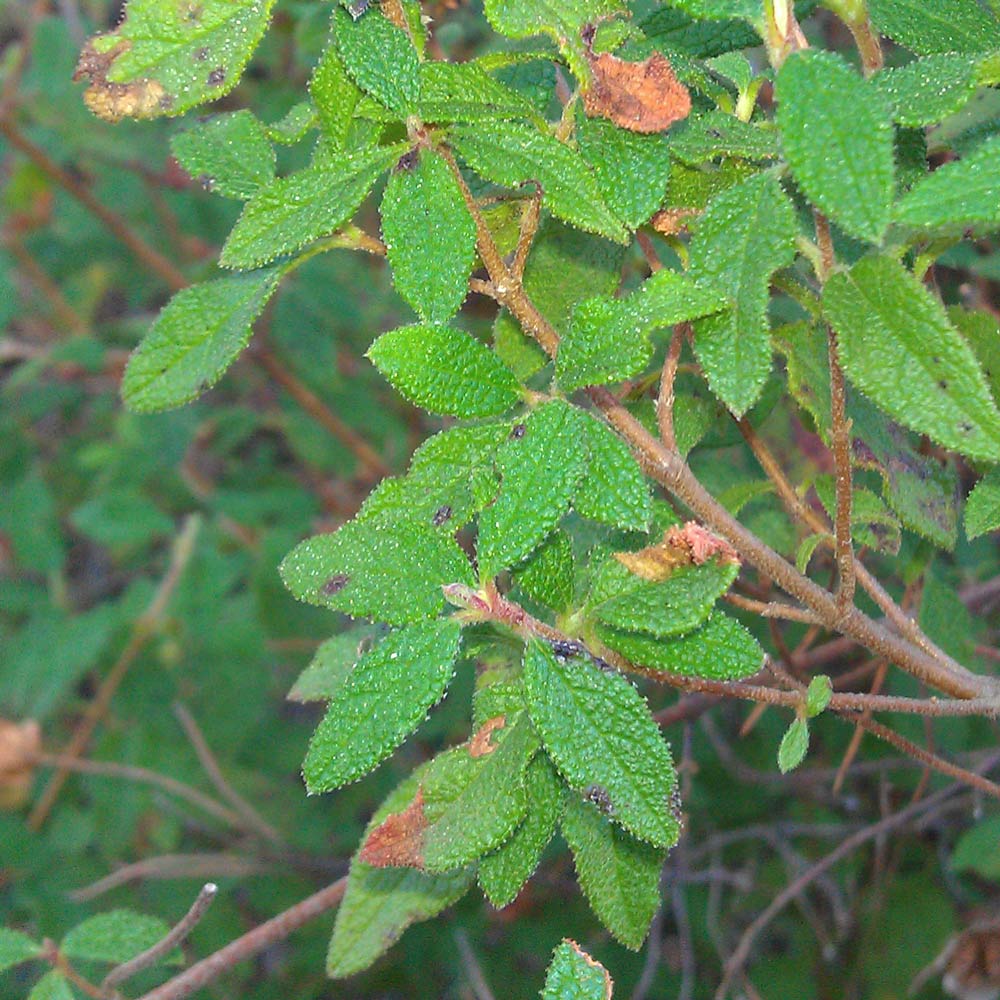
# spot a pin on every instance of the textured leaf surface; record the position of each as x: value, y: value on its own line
x: 540, y: 466
x: 620, y: 876
x: 517, y: 153
x: 957, y: 195
x: 523, y: 18
x: 457, y: 92
x: 385, y: 697
x: 598, y: 730
x: 15, y: 948
x: 926, y: 26
x: 332, y: 664
x: 872, y: 523
x: 746, y: 234
x: 614, y: 489
x: 574, y: 975
x: 662, y: 608
x: 335, y: 96
x: 114, y: 937
x: 888, y: 323
x: 165, y: 58
x: 503, y: 872
x: 547, y: 575
x: 793, y: 746
x: 702, y: 138
x: 982, y: 331
x: 380, y: 903
x: 445, y: 370
x: 837, y: 137
x: 927, y: 90
x: 608, y: 339
x: 228, y: 154
x: 721, y: 649
x: 195, y: 339
x: 385, y: 569
x: 299, y: 208
x: 982, y: 511
x: 380, y: 58
x: 430, y: 237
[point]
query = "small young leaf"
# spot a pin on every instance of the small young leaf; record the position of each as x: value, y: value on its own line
x: 228, y: 154
x: 721, y: 649
x: 335, y: 96
x: 465, y: 92
x: 888, y: 322
x: 388, y: 569
x: 385, y: 697
x: 982, y: 511
x: 305, y: 205
x: 503, y: 872
x: 818, y: 695
x: 837, y: 137
x: 540, y: 466
x: 927, y: 90
x: 163, y: 60
x: 195, y: 339
x: 746, y: 234
x: 52, y: 986
x: 518, y: 153
x: 380, y: 58
x: 429, y: 235
x: 574, y: 975
x: 598, y: 731
x: 15, y: 948
x: 445, y: 370
x: 113, y: 937
x: 794, y: 745
x: 614, y: 490
x: 957, y: 195
x: 927, y: 26
x: 547, y: 575
x: 620, y: 876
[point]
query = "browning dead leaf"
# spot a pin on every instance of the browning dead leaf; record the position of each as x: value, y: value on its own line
x: 20, y: 744
x: 689, y: 545
x: 481, y: 744
x: 641, y: 97
x: 114, y: 101
x: 398, y: 841
x: 672, y: 221
x: 701, y: 543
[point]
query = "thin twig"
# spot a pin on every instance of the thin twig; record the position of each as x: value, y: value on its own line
x: 143, y: 629
x: 665, y: 399
x: 276, y: 929
x: 177, y: 934
x: 772, y: 609
x: 251, y: 818
x: 858, y: 734
x: 480, y: 988
x: 530, y: 218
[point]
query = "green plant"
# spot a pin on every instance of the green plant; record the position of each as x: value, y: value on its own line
x: 652, y: 235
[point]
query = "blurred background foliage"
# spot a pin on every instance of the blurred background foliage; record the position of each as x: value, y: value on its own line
x: 92, y: 499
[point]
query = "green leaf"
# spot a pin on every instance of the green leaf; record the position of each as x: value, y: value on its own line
x: 445, y: 370
x: 632, y: 170
x: 332, y: 665
x: 701, y: 138
x: 380, y: 58
x: 385, y: 697
x: 671, y: 31
x: 926, y: 26
x: 957, y: 195
x: 978, y: 850
x: 574, y: 975
x: 818, y: 695
x: 15, y: 948
x: 429, y: 235
x: 927, y: 90
x: 748, y: 10
x: 113, y: 937
x: 196, y: 337
x: 888, y: 323
x: 982, y: 511
x: 380, y: 903
x: 982, y: 331
x: 518, y: 153
x: 381, y: 568
x: 293, y: 125
x: 503, y: 872
x: 872, y: 523
x: 793, y: 747
x: 837, y: 136
x: 457, y: 92
x: 163, y: 60
x: 807, y: 363
x: 721, y: 649
x: 228, y: 154
x: 746, y: 234
x: 608, y: 339
x: 620, y: 876
x: 52, y: 986
x: 614, y: 490
x: 540, y: 466
x: 305, y: 205
x: 547, y: 575
x: 598, y: 731
x: 335, y: 96
x: 120, y: 518
x: 662, y: 608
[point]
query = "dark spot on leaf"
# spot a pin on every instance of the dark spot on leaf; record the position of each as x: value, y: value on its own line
x: 965, y: 427
x: 600, y: 798
x: 942, y: 384
x: 565, y: 650
x: 518, y: 432
x: 194, y: 12
x: 335, y: 584
x: 217, y: 77
x: 408, y: 160
x: 357, y: 7
x: 441, y: 515
x: 200, y: 55
x: 714, y: 133
x: 206, y: 181
x: 936, y: 360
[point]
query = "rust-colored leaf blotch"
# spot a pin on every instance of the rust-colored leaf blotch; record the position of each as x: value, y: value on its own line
x: 641, y: 97
x: 398, y: 841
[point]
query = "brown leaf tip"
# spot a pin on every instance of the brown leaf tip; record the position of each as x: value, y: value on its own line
x: 398, y: 841
x: 114, y: 101
x: 481, y: 744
